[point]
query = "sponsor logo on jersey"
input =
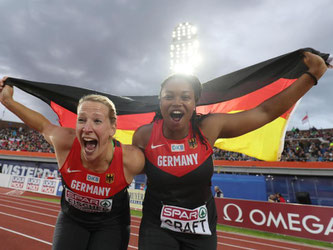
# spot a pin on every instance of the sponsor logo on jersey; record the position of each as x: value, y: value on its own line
x: 177, y: 148
x: 87, y: 204
x: 156, y: 146
x: 192, y: 143
x: 92, y: 178
x: 72, y: 171
x: 178, y: 219
x: 109, y: 178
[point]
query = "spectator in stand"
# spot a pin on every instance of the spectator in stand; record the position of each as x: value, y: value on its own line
x: 218, y: 192
x: 272, y: 198
x: 280, y: 198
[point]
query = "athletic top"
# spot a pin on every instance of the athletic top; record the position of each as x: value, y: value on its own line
x: 94, y: 199
x: 179, y: 175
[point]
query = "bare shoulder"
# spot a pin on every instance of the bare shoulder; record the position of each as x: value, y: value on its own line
x: 142, y: 135
x: 129, y: 150
x: 60, y: 137
x: 212, y: 125
x: 133, y: 159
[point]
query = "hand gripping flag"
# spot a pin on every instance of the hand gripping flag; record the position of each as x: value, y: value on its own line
x: 238, y: 91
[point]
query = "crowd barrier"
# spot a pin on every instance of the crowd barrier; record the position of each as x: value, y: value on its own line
x: 54, y: 187
x: 31, y: 184
x: 306, y: 221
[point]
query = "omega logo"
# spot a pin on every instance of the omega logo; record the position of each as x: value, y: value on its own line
x: 226, y: 215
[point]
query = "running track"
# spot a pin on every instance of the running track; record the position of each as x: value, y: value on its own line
x: 29, y: 224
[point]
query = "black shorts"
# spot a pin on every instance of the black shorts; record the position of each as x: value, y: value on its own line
x: 152, y: 237
x: 70, y: 235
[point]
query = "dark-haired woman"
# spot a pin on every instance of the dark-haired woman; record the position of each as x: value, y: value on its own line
x: 179, y: 210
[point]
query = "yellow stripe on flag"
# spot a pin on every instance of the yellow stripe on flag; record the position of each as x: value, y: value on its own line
x: 124, y: 136
x: 265, y: 143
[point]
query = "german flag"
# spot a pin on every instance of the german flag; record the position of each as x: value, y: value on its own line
x: 235, y: 92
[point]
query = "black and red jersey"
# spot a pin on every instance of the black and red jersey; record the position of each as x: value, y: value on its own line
x: 90, y: 197
x: 179, y: 173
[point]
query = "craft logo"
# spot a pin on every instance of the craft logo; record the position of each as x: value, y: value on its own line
x: 192, y: 143
x: 109, y: 178
x: 92, y: 178
x: 177, y: 148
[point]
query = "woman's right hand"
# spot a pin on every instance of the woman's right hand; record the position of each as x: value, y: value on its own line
x: 6, y: 91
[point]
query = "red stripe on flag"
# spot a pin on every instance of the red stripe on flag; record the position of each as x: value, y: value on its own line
x: 250, y: 100
x: 66, y: 117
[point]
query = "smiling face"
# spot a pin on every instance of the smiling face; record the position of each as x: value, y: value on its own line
x: 94, y: 129
x: 177, y: 103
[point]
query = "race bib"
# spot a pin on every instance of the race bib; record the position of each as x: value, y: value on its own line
x: 87, y: 204
x: 183, y: 220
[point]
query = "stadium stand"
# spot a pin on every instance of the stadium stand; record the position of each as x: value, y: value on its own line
x: 300, y: 145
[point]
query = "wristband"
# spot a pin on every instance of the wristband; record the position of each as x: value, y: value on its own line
x: 312, y: 76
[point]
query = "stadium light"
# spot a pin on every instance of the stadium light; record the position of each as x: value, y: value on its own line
x: 184, y: 49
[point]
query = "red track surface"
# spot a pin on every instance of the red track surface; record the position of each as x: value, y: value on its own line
x: 29, y: 224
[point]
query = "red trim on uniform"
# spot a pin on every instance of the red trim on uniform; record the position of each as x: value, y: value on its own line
x: 76, y: 175
x: 176, y: 157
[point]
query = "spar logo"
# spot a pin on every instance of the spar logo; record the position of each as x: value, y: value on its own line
x: 179, y: 213
x: 288, y: 221
x: 202, y: 212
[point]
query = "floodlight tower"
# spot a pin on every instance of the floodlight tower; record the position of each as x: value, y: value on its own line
x: 184, y: 56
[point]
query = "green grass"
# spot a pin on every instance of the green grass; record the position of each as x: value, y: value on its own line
x: 234, y: 229
x: 42, y: 199
x: 273, y: 236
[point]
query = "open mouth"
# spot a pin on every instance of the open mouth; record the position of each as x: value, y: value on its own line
x: 176, y: 115
x: 90, y: 144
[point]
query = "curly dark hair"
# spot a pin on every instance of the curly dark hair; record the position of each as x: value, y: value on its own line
x: 197, y: 88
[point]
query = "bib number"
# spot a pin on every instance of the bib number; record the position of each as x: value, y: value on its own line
x: 183, y: 220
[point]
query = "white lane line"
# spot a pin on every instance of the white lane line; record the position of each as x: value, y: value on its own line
x: 29, y: 211
x: 132, y: 247
x: 41, y: 202
x: 23, y: 218
x: 235, y: 246
x: 28, y: 205
x: 25, y: 235
x: 257, y: 242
